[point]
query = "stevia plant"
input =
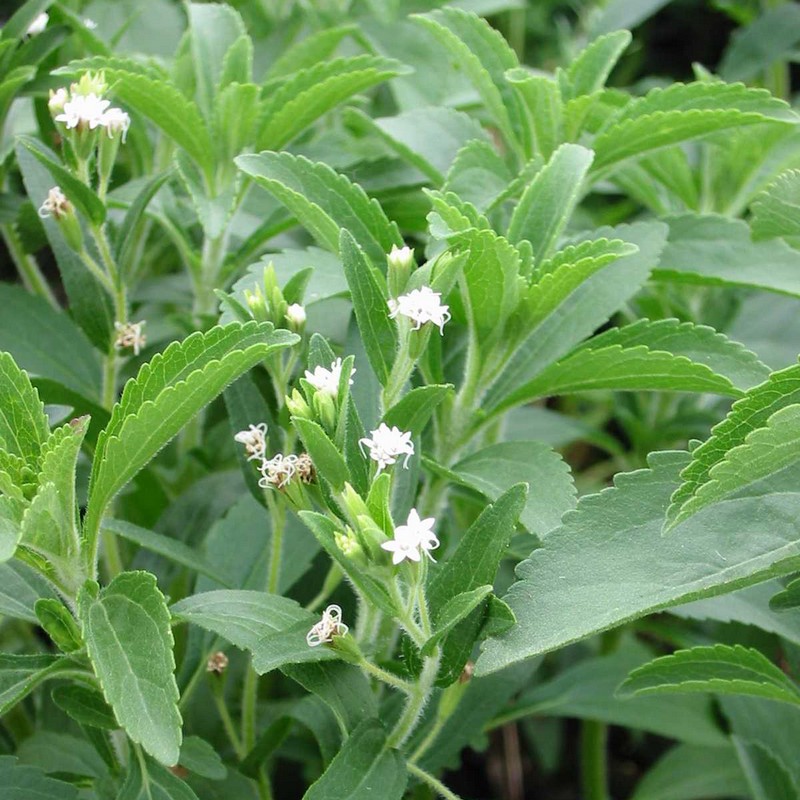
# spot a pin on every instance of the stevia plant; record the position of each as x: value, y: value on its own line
x: 278, y: 522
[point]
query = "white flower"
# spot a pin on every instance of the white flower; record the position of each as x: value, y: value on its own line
x: 56, y: 204
x: 254, y: 440
x: 38, y: 25
x: 329, y: 626
x: 58, y: 99
x: 421, y: 306
x: 296, y: 314
x: 89, y: 24
x: 115, y: 120
x: 387, y: 444
x: 401, y: 257
x: 327, y: 380
x: 277, y: 471
x: 417, y: 534
x: 130, y: 334
x: 88, y: 109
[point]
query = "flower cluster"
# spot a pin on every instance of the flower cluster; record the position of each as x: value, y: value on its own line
x: 56, y: 205
x: 387, y: 445
x: 327, y: 380
x: 83, y: 107
x: 412, y: 539
x: 129, y: 334
x: 329, y: 626
x: 421, y: 306
x: 278, y: 471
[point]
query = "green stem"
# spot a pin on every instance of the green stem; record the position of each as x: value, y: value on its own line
x: 249, y: 705
x: 278, y: 516
x: 434, y: 783
x: 332, y: 580
x: 386, y: 677
x: 27, y: 266
x: 217, y: 691
x: 416, y: 702
x: 111, y: 555
x: 594, y: 777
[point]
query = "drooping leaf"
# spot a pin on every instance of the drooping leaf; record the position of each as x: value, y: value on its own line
x: 719, y: 668
x: 364, y: 768
x: 751, y: 413
x: 303, y: 97
x: 473, y: 564
x: 126, y: 627
x: 609, y: 562
x: 547, y: 204
x: 324, y: 202
x: 496, y: 468
x: 168, y: 392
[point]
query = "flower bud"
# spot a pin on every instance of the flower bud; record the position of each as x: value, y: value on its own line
x: 400, y: 261
x: 297, y: 406
x: 257, y: 304
x: 62, y: 211
x: 90, y: 83
x: 57, y: 101
x: 352, y: 503
x: 296, y: 317
x: 325, y: 409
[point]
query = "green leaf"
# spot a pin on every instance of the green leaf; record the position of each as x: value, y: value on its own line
x: 751, y: 413
x: 166, y: 394
x: 688, y: 772
x: 20, y: 588
x: 167, y: 108
x: 234, y: 122
x: 584, y: 310
x: 50, y: 525
x: 588, y: 73
x: 454, y: 611
x: 315, y: 47
x: 473, y: 564
x: 771, y: 37
x: 720, y: 668
x: 29, y: 326
x: 173, y: 549
x: 427, y: 138
x: 776, y: 211
x: 699, y: 343
x: 587, y: 690
x: 59, y: 624
x: 681, y: 112
x: 299, y: 99
x: 788, y: 598
x: 12, y: 82
x: 21, y: 674
x: 21, y: 782
x: 363, y: 769
x: 558, y: 277
x: 412, y: 411
x: 764, y: 452
x: 81, y: 195
x: 478, y: 175
x: 636, y: 368
x: 547, y: 204
x: 541, y: 97
x: 271, y: 627
x: 324, y: 202
x: 199, y: 757
x: 85, y: 705
x: 126, y: 627
x: 23, y: 423
x: 608, y: 563
x: 214, y: 213
x: 328, y: 461
x: 491, y: 278
x: 768, y: 776
x: 718, y: 251
x: 147, y: 780
x: 214, y: 28
x: 378, y: 332
x: 484, y: 56
x: 495, y: 469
